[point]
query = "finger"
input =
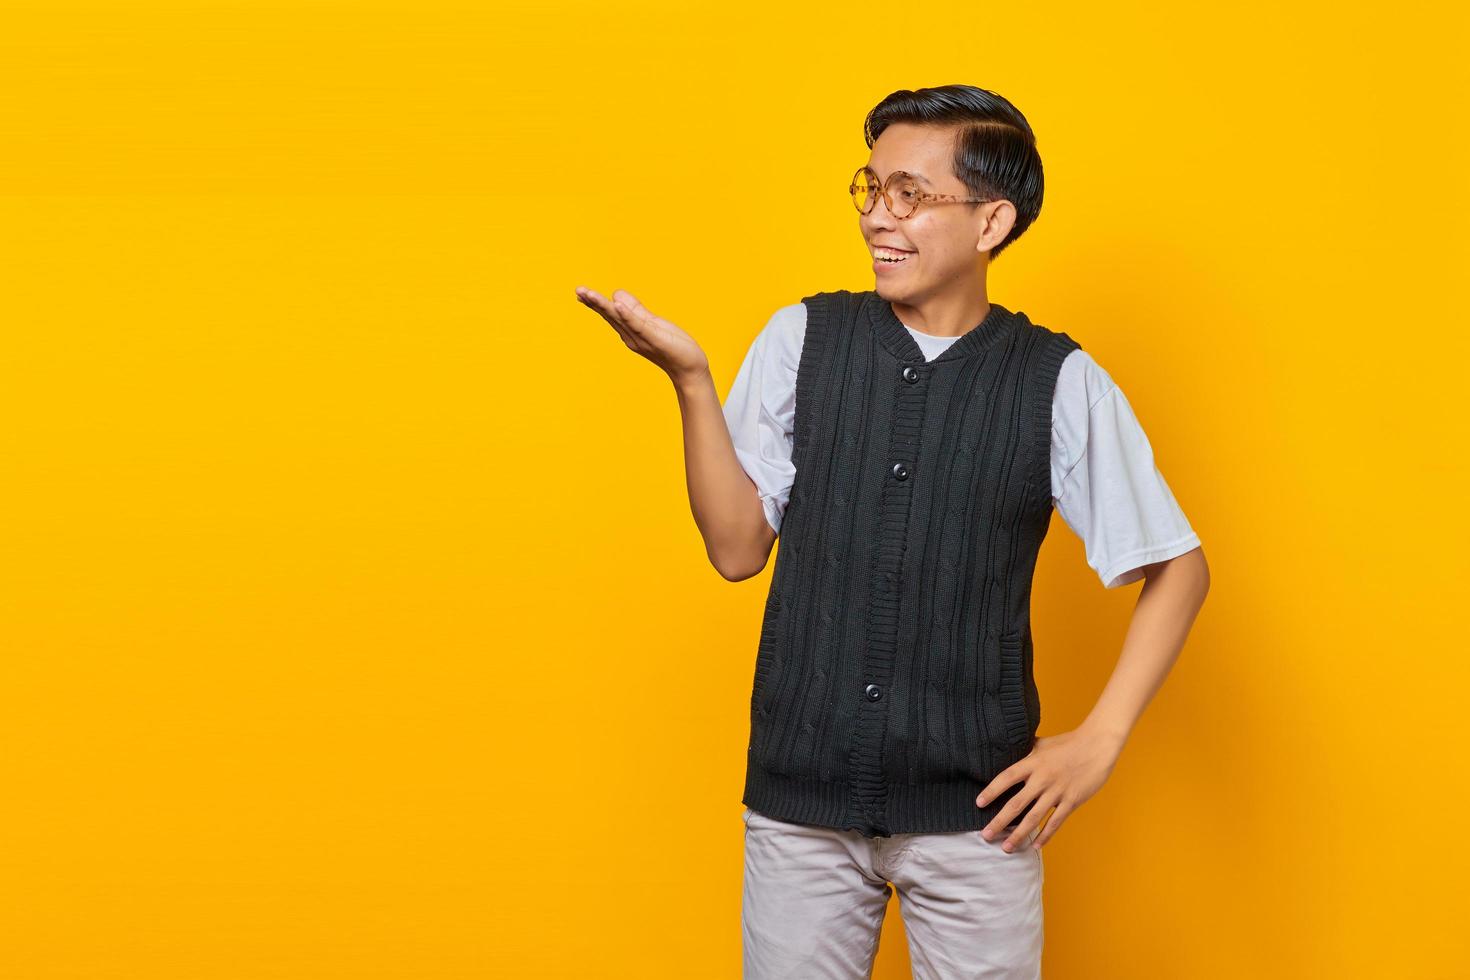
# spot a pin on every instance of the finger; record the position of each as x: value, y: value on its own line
x: 1014, y: 807
x: 1010, y: 840
x: 1052, y: 823
x: 626, y: 299
x: 635, y: 314
x: 589, y: 297
x: 611, y: 314
x: 618, y: 314
x: 601, y: 304
x: 1021, y: 837
x: 638, y: 318
x: 1003, y: 781
x: 996, y: 831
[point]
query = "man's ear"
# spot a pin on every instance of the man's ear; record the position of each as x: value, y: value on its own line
x: 997, y: 219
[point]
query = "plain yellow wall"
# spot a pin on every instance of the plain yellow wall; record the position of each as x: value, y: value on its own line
x: 354, y: 621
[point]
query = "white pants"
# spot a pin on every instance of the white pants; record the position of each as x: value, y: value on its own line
x: 814, y: 900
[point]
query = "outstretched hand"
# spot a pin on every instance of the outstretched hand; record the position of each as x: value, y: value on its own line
x: 1061, y: 771
x: 655, y: 338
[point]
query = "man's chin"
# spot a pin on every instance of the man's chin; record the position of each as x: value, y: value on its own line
x: 886, y: 290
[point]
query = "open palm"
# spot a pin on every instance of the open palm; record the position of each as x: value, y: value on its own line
x: 655, y: 338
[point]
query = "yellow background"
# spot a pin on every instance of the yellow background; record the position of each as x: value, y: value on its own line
x: 355, y: 624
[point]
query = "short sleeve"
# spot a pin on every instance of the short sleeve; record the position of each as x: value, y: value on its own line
x: 1105, y: 482
x: 760, y: 409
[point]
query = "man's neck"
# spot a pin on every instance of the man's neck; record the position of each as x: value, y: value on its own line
x: 945, y: 316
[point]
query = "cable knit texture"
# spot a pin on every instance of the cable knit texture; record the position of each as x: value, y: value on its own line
x: 893, y: 678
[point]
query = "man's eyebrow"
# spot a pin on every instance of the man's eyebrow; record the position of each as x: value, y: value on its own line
x: 921, y: 177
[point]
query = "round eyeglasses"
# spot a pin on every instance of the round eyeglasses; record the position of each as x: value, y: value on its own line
x: 901, y: 193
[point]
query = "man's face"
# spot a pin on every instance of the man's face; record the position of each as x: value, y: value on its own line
x: 941, y: 237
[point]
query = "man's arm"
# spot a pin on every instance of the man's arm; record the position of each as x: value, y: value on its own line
x: 1172, y: 594
x: 726, y: 504
x: 1064, y: 771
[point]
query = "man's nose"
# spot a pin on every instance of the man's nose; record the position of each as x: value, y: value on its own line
x: 878, y: 218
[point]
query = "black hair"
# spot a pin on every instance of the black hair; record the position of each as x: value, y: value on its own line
x: 995, y: 150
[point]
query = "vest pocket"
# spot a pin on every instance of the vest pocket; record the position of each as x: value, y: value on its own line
x: 1014, y: 711
x: 769, y: 640
x: 767, y: 661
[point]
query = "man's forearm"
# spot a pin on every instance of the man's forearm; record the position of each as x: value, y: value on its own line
x: 725, y: 503
x: 1172, y: 595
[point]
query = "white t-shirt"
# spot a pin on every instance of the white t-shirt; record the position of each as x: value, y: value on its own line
x: 1104, y: 481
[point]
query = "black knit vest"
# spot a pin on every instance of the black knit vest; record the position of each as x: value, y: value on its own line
x: 893, y: 679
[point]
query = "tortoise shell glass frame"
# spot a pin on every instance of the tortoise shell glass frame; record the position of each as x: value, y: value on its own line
x: 920, y: 197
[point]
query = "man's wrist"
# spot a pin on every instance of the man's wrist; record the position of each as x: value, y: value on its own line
x: 1111, y: 733
x: 689, y: 382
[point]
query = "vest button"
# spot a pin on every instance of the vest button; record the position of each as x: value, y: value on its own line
x: 900, y: 471
x: 910, y: 375
x: 873, y: 691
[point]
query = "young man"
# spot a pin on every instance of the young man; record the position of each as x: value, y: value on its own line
x: 909, y: 444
